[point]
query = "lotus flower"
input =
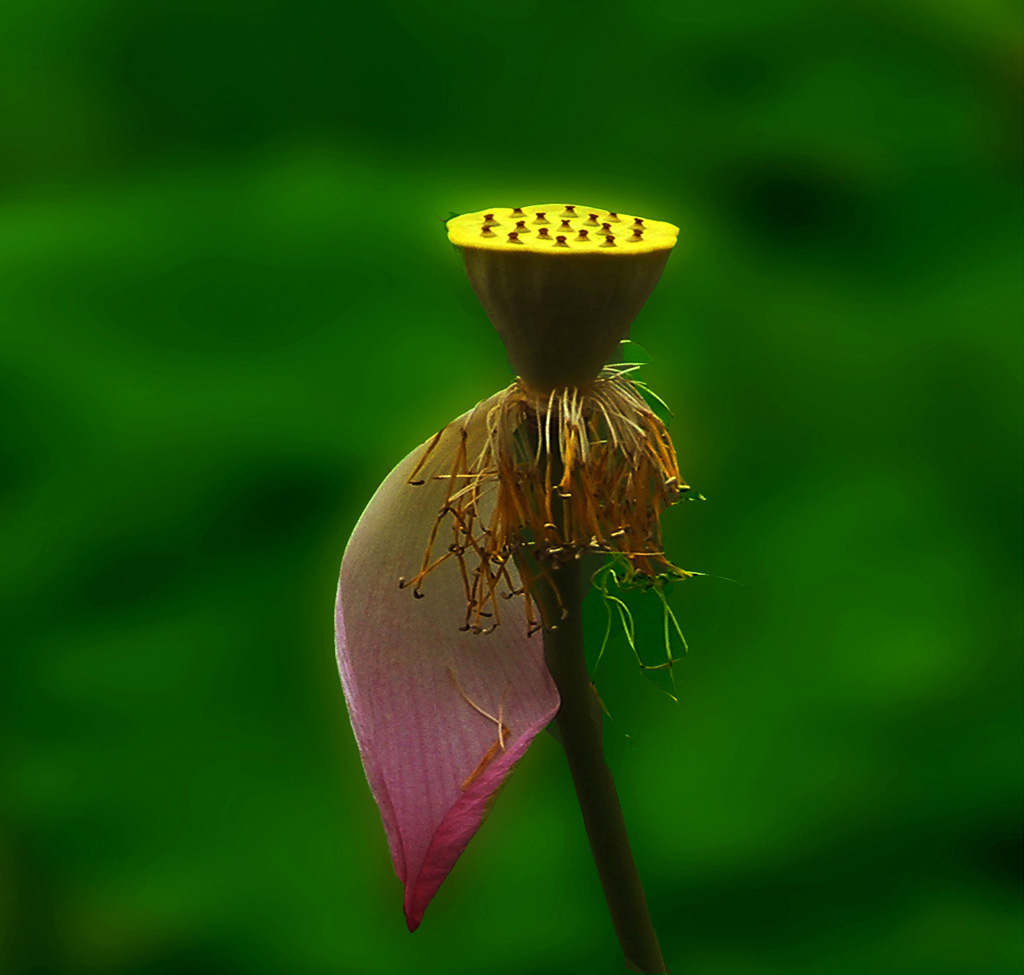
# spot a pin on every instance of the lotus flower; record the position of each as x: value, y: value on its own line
x: 441, y: 593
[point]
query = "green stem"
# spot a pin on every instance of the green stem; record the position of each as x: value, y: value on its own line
x: 579, y: 721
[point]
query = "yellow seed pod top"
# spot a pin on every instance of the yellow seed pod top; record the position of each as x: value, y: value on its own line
x: 562, y: 229
x: 547, y: 281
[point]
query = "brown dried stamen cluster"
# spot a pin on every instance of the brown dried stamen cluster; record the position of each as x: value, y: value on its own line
x: 576, y: 471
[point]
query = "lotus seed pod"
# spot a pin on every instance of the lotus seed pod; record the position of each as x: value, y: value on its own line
x: 561, y: 283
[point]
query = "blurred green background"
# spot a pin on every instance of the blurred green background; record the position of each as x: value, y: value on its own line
x: 228, y: 308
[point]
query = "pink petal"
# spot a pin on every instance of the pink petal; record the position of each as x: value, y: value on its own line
x: 434, y: 763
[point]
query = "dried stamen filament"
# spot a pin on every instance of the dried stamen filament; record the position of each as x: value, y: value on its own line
x: 573, y: 471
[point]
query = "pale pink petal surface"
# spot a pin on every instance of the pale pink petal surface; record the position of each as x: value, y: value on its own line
x: 411, y: 678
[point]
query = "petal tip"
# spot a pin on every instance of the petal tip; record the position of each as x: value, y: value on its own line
x: 413, y: 919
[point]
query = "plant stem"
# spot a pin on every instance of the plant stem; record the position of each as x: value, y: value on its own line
x: 579, y: 721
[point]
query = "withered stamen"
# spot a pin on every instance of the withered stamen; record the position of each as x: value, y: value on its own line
x: 616, y: 472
